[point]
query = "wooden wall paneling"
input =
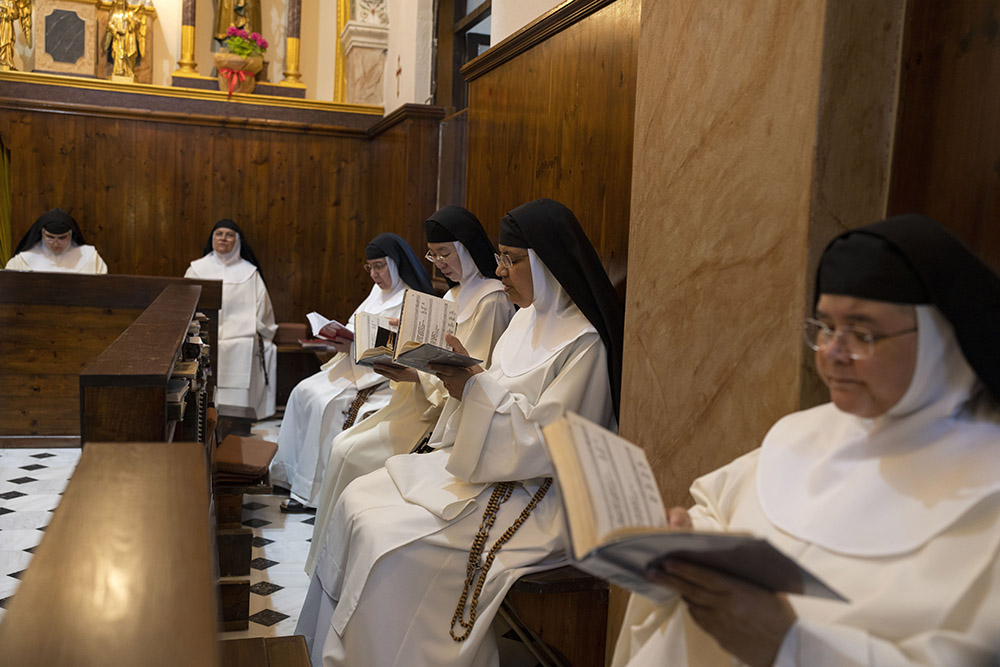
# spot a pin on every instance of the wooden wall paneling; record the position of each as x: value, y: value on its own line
x: 45, y: 347
x: 946, y: 160
x: 556, y: 121
x: 454, y: 148
x: 173, y: 245
x: 147, y: 190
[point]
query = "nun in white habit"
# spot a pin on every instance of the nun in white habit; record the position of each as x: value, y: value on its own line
x: 393, y: 584
x: 247, y: 355
x: 459, y: 247
x: 54, y: 243
x: 890, y: 493
x: 342, y: 392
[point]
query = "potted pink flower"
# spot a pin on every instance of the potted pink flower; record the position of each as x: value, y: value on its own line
x: 240, y: 62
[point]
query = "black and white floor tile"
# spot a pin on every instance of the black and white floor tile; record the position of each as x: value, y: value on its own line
x: 31, y: 484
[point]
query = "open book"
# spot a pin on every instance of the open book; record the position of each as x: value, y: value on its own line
x: 422, y: 327
x: 618, y: 526
x: 374, y: 339
x: 328, y: 329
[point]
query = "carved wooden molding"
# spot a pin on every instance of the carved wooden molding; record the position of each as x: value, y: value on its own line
x: 532, y: 35
x: 406, y: 112
x: 94, y: 111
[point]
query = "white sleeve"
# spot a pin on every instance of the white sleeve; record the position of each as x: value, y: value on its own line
x: 813, y: 644
x: 17, y: 263
x: 499, y: 437
x: 100, y: 268
x: 265, y: 313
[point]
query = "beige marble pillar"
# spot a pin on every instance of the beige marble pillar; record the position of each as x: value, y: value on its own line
x: 762, y: 127
x: 365, y: 39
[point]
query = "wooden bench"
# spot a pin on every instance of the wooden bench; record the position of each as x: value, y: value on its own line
x: 265, y: 652
x: 561, y: 615
x: 125, y: 573
x: 54, y: 326
x: 234, y: 541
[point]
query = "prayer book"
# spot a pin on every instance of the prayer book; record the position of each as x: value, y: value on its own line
x: 374, y: 339
x: 423, y: 324
x: 328, y: 329
x: 618, y: 525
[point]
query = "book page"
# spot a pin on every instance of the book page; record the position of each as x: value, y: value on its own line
x: 426, y: 319
x: 618, y: 476
x: 317, y: 322
x: 370, y: 332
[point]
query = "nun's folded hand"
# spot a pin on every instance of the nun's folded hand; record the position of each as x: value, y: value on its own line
x: 455, y: 377
x: 396, y: 373
x: 747, y: 620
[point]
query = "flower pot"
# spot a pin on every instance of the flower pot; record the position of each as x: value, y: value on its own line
x: 236, y: 73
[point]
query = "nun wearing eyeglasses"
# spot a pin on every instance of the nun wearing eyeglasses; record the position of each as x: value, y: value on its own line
x: 890, y: 492
x: 342, y: 392
x: 393, y: 583
x: 458, y: 246
x: 54, y: 243
x: 246, y: 376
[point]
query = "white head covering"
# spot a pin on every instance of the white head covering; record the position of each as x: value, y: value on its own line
x: 379, y: 300
x: 472, y: 286
x: 537, y: 333
x: 885, y: 486
x: 228, y: 267
x: 72, y: 260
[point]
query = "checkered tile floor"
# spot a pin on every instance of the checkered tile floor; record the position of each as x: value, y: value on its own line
x: 31, y: 484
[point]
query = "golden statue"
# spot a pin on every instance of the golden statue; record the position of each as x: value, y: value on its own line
x: 125, y: 38
x: 10, y: 11
x: 243, y: 14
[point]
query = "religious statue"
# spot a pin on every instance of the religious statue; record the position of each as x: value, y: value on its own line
x: 243, y: 14
x: 11, y: 11
x: 125, y: 39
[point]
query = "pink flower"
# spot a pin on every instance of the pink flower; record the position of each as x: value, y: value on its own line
x: 233, y: 30
x: 262, y: 43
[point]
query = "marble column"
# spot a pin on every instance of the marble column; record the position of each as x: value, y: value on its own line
x: 364, y: 39
x: 187, y: 65
x: 762, y: 128
x: 292, y: 75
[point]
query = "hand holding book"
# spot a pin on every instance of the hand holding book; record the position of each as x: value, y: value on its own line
x: 619, y: 530
x: 455, y: 377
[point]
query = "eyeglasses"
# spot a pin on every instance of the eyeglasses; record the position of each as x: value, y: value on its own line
x: 506, y: 261
x: 375, y: 266
x: 431, y: 257
x: 858, y: 342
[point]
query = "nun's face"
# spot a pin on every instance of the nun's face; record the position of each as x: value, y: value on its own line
x: 516, y: 280
x: 223, y: 240
x: 867, y: 387
x: 447, y: 260
x: 57, y: 243
x: 378, y: 269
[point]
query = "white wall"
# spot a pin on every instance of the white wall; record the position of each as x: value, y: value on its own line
x: 509, y: 16
x: 411, y: 30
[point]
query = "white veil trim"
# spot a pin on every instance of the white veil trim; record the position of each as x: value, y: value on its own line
x: 472, y: 287
x: 885, y: 486
x: 540, y: 331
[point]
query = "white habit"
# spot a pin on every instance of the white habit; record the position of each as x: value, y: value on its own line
x: 318, y: 405
x: 390, y: 570
x: 900, y: 514
x: 411, y: 413
x: 75, y: 259
x: 246, y: 312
